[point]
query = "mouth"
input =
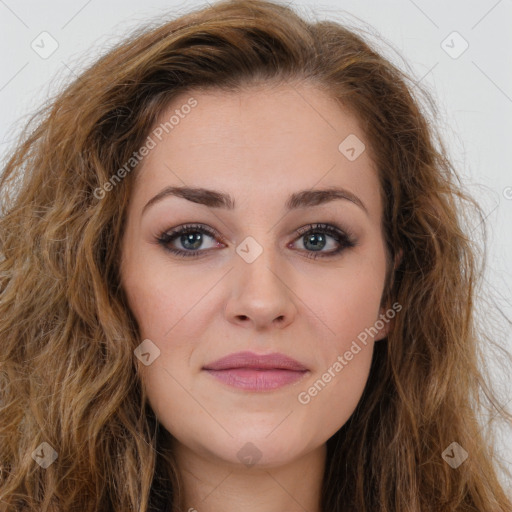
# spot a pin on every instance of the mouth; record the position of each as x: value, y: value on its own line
x: 254, y: 372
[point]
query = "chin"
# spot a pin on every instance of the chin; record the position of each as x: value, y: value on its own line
x: 258, y: 449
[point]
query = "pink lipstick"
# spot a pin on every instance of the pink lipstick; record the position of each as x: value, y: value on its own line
x: 254, y: 372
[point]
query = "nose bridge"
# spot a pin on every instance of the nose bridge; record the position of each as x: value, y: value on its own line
x: 259, y: 292
x: 258, y: 264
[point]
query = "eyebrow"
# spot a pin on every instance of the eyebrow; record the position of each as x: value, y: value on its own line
x: 217, y: 199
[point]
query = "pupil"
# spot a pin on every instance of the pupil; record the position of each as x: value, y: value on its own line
x: 192, y: 238
x: 317, y: 240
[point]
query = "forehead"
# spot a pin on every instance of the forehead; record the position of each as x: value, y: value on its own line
x: 262, y: 140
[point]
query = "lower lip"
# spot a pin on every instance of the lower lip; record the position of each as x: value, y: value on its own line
x: 257, y: 380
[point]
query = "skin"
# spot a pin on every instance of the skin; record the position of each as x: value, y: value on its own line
x: 260, y: 146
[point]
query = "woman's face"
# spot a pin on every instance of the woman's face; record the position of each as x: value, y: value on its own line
x: 247, y: 279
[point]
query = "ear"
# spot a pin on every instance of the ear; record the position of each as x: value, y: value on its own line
x: 398, y: 258
x: 385, y: 322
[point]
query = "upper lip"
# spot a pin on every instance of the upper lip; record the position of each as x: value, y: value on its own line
x: 246, y: 359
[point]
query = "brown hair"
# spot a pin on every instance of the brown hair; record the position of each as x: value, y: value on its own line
x: 67, y: 370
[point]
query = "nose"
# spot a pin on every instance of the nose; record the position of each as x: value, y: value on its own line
x: 261, y: 297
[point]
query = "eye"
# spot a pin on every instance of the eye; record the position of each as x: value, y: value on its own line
x: 313, y: 238
x: 190, y: 236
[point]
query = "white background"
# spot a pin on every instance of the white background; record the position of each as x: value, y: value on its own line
x: 473, y: 92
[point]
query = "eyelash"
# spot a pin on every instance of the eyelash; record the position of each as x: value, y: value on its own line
x: 342, y: 237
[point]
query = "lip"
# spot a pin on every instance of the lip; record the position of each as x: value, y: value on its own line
x: 256, y: 372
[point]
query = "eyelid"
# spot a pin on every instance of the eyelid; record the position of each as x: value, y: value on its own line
x: 343, y: 237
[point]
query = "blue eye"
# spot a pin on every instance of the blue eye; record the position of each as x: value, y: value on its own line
x: 190, y: 236
x: 314, y: 237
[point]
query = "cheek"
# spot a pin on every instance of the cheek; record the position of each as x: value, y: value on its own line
x: 162, y: 297
x: 344, y: 351
x: 330, y: 399
x: 169, y: 306
x: 348, y: 305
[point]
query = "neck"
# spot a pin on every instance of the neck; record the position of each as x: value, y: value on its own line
x: 209, y: 484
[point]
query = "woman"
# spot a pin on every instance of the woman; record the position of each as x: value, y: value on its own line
x: 236, y: 276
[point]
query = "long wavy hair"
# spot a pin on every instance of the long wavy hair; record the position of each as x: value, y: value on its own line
x: 68, y: 376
